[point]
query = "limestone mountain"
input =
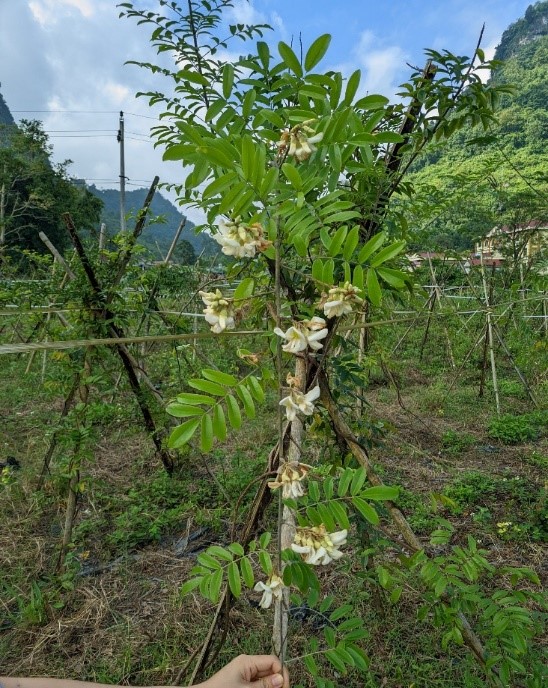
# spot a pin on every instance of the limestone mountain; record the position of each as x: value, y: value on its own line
x: 6, y: 117
x: 158, y: 234
x: 483, y: 178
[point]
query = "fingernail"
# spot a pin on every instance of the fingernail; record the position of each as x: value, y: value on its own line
x: 277, y: 681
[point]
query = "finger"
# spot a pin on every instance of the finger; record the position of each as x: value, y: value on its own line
x: 261, y: 666
x: 274, y: 681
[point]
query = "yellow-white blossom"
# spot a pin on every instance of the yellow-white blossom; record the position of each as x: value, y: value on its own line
x: 316, y: 546
x: 295, y: 338
x: 219, y: 312
x: 240, y: 239
x: 297, y: 401
x: 341, y: 300
x: 289, y: 478
x: 272, y: 589
x: 299, y: 141
x: 303, y: 334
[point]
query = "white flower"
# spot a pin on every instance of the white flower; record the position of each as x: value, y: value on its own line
x: 297, y: 401
x: 316, y: 330
x: 334, y: 309
x: 219, y: 312
x: 295, y: 337
x: 272, y: 589
x: 316, y: 546
x: 239, y: 239
x: 289, y: 478
x: 301, y: 139
x: 341, y: 300
x: 303, y: 334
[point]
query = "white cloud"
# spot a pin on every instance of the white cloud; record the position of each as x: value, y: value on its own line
x: 382, y: 65
x: 244, y: 12
x: 48, y: 12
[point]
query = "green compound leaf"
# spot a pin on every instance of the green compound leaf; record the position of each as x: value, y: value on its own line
x: 387, y: 253
x: 247, y: 400
x: 255, y: 387
x: 290, y: 59
x: 244, y: 290
x: 352, y: 86
x: 366, y: 510
x: 206, y: 435
x: 182, y: 434
x: 208, y: 386
x: 234, y: 413
x: 189, y: 586
x: 219, y: 423
x: 371, y: 246
x: 374, y: 292
x: 228, y: 79
x: 183, y: 411
x: 247, y: 572
x: 215, y: 585
x: 358, y: 478
x: 380, y: 492
x: 234, y: 580
x: 337, y: 241
x: 344, y: 482
x: 218, y: 376
x: 351, y: 242
x: 189, y: 398
x: 292, y: 174
x: 316, y: 51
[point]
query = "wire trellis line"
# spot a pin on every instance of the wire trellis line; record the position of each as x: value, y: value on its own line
x: 24, y: 348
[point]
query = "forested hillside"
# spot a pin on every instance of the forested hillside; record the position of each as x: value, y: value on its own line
x: 34, y: 193
x: 158, y: 235
x: 481, y: 179
x: 6, y: 117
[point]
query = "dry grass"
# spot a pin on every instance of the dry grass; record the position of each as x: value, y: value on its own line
x: 128, y: 625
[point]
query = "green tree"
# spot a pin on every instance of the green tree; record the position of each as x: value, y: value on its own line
x: 34, y: 193
x: 184, y: 253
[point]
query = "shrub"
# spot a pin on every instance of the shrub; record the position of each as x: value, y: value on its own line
x: 510, y: 429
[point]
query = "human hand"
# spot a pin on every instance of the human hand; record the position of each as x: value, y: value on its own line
x: 250, y: 671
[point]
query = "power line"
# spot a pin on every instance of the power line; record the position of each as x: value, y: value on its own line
x: 87, y: 112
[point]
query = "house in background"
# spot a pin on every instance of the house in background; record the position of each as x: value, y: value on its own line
x: 523, y: 243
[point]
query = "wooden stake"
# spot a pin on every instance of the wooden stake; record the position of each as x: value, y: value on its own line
x: 58, y: 257
x: 490, y: 338
x: 175, y: 240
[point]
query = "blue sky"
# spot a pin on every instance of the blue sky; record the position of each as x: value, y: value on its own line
x: 66, y: 58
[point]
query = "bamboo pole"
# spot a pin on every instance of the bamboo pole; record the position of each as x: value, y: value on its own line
x: 287, y: 523
x: 175, y: 240
x: 489, y: 315
x: 58, y: 257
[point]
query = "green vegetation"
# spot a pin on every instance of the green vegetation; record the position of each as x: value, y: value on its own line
x: 166, y: 457
x: 34, y: 194
x: 476, y: 181
x: 160, y: 231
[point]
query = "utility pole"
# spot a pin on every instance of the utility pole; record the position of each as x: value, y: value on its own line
x: 122, y: 175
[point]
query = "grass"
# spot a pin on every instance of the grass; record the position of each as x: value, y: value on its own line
x: 128, y: 623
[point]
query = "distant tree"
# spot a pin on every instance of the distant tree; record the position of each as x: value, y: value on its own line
x: 34, y: 193
x: 184, y: 253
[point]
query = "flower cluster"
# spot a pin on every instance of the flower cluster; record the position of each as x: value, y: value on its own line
x: 297, y: 401
x: 241, y: 240
x: 341, y: 300
x: 289, y: 478
x: 301, y: 335
x: 317, y: 546
x: 299, y: 141
x: 272, y: 589
x: 219, y: 312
